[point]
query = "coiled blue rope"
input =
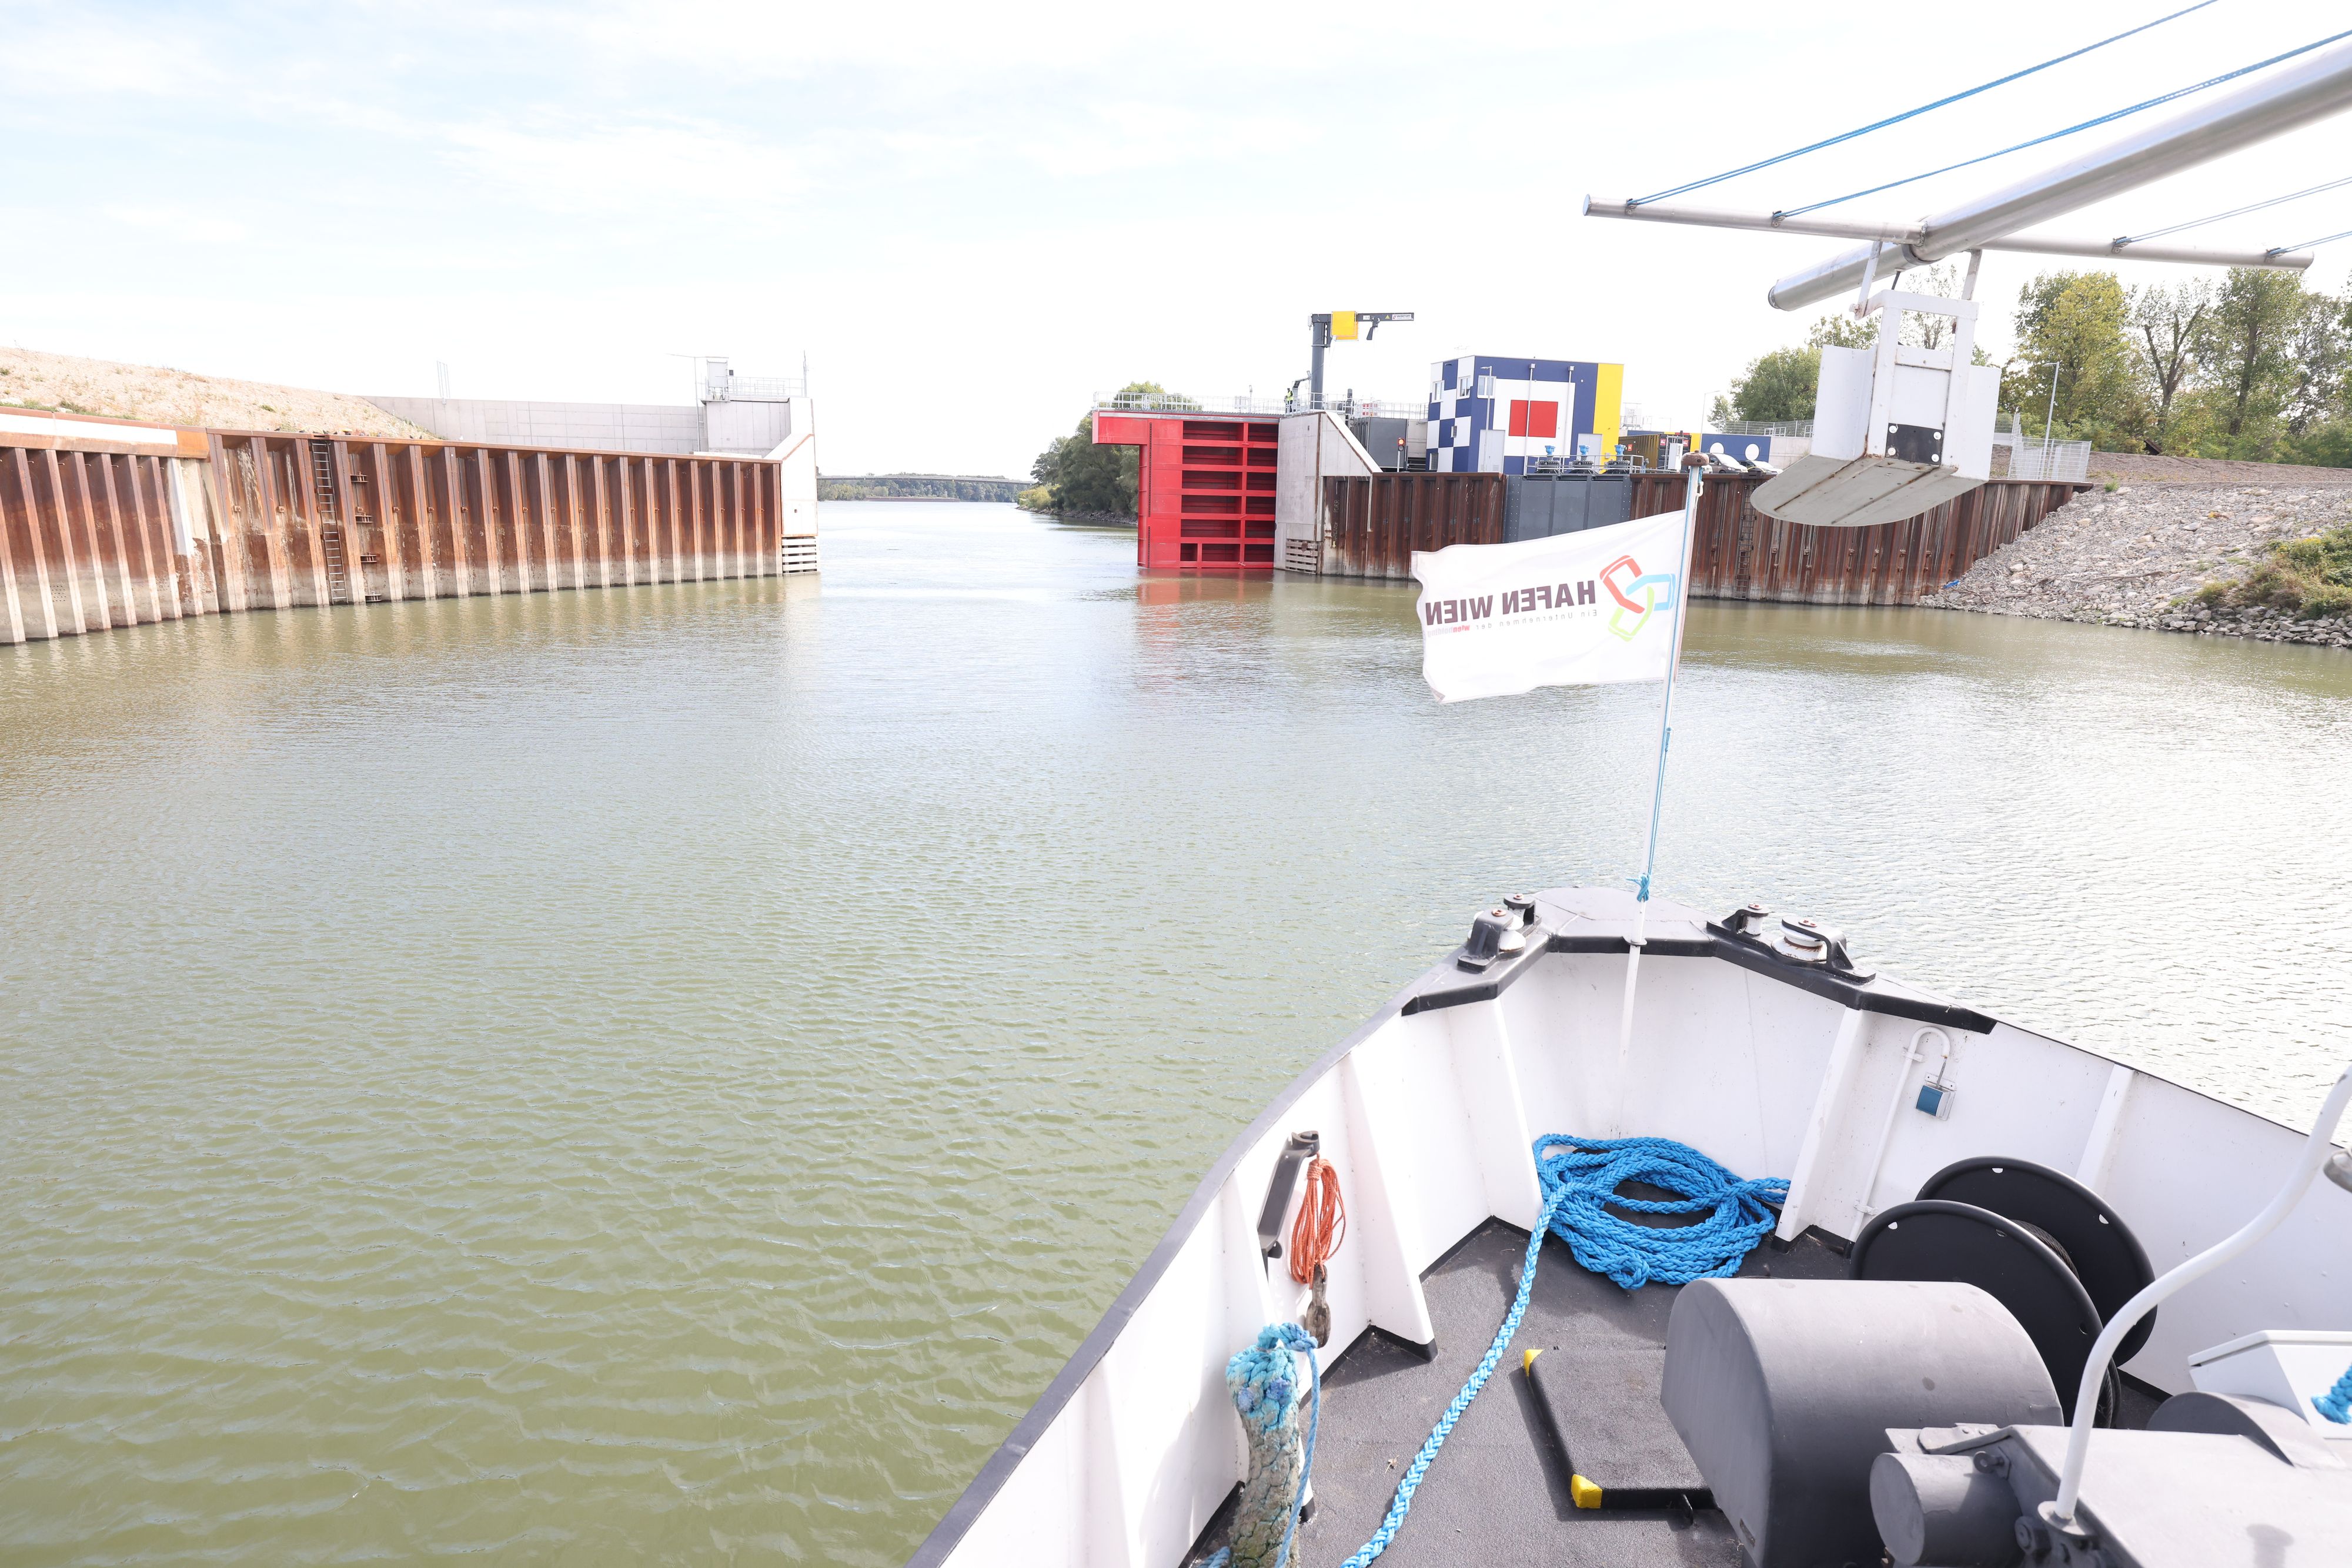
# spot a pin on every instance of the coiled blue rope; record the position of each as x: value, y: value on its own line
x: 1581, y: 1177
x: 2337, y: 1402
x: 1577, y: 1175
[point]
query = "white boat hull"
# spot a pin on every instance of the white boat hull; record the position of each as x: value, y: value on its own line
x: 1428, y: 1114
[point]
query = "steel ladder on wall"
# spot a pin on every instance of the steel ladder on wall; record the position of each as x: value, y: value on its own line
x: 330, y: 527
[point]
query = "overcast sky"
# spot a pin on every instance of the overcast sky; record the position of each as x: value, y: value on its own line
x: 970, y: 218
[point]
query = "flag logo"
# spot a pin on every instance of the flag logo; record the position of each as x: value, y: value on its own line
x: 1627, y: 620
x: 1505, y: 618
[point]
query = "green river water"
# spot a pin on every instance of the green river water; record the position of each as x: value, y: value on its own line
x: 667, y: 1076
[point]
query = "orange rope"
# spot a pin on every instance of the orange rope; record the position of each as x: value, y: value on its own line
x: 1322, y: 1221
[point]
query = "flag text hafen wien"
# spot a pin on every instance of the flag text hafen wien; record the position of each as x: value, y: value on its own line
x: 1516, y: 601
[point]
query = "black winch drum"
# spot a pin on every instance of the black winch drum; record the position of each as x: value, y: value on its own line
x: 1936, y: 1239
x: 2090, y: 1236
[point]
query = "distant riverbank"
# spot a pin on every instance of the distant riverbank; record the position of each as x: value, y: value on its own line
x: 916, y: 488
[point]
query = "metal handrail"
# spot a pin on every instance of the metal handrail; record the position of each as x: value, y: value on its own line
x: 1178, y: 403
x: 754, y: 389
x: 2035, y: 457
x: 1788, y: 427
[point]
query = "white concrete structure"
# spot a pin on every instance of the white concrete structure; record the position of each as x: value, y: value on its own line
x: 797, y: 453
x: 736, y: 415
x: 1312, y: 447
x: 587, y: 426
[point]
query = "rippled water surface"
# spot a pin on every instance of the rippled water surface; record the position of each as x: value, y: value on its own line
x: 667, y: 1074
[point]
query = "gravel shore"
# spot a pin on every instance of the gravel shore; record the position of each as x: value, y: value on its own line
x: 2135, y: 556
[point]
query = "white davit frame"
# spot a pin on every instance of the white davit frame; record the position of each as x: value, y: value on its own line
x: 1896, y: 428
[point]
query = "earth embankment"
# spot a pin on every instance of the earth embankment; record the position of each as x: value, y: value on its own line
x: 31, y: 379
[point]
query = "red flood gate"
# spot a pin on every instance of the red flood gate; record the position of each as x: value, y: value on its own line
x: 1204, y: 489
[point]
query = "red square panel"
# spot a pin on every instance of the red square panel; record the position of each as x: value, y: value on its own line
x: 1539, y: 420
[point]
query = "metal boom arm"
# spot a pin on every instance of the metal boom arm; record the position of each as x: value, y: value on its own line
x: 1911, y: 236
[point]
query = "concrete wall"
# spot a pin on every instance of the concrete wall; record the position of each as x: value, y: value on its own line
x: 754, y: 428
x: 1313, y: 447
x: 587, y: 426
x: 797, y: 495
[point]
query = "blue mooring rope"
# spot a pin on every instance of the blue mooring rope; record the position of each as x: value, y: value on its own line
x: 2337, y: 1402
x: 1579, y: 1176
x: 1444, y: 1427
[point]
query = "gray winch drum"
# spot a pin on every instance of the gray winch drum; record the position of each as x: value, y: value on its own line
x: 1784, y: 1390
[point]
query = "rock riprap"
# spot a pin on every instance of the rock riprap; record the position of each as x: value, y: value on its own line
x: 2138, y: 555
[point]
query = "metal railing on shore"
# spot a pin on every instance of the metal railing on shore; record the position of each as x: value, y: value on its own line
x: 753, y: 389
x: 1788, y: 427
x: 1257, y: 407
x: 2018, y: 456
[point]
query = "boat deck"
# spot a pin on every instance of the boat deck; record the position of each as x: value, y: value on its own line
x: 1498, y: 1494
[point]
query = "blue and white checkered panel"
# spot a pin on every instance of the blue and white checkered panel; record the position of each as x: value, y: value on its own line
x: 1481, y: 437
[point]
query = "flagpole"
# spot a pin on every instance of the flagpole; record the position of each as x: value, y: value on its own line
x: 1692, y: 465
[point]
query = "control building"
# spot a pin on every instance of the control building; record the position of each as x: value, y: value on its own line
x: 1495, y: 414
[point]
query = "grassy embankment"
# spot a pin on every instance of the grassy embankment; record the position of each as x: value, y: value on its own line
x: 2310, y: 578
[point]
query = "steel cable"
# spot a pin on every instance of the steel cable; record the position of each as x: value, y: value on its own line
x: 2233, y: 213
x: 1912, y: 113
x: 2069, y: 130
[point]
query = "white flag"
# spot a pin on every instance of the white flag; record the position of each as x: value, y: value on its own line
x: 1573, y: 610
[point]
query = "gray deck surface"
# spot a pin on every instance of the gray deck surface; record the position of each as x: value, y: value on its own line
x: 1497, y: 1495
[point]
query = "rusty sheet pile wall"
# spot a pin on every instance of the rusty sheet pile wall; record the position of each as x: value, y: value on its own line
x: 1371, y: 527
x: 89, y: 540
x: 93, y: 539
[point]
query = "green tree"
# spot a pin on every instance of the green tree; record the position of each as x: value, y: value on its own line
x: 1781, y: 385
x: 2246, y: 345
x: 1839, y: 330
x: 2075, y: 321
x: 1775, y: 386
x: 2166, y: 322
x: 2321, y: 354
x: 1076, y: 476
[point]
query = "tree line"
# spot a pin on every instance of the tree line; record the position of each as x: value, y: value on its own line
x: 1076, y: 478
x: 2251, y: 365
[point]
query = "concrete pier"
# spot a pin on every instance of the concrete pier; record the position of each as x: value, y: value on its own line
x: 111, y: 523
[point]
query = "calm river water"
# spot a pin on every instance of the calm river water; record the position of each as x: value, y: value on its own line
x: 667, y: 1074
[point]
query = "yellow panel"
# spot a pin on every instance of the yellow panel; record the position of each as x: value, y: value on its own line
x: 1608, y: 401
x: 1343, y: 324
